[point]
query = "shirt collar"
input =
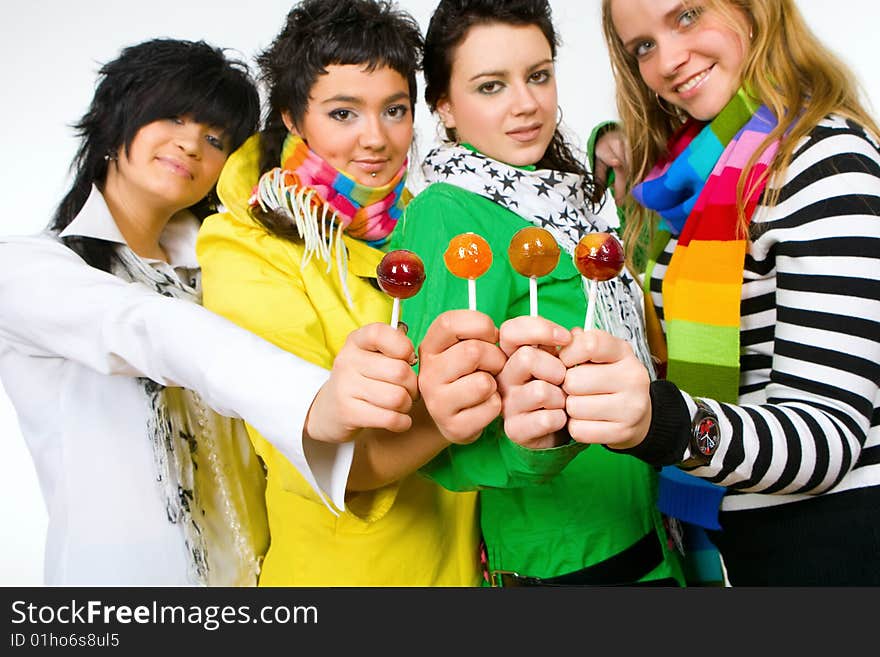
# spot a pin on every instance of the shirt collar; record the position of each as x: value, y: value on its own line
x: 178, y: 239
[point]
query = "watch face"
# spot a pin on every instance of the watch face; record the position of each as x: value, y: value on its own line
x: 706, y: 436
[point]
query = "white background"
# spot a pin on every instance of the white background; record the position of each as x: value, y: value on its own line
x: 51, y: 51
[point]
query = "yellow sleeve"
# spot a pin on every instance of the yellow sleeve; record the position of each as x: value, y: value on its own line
x: 254, y: 279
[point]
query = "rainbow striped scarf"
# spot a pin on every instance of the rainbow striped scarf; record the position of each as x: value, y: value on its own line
x: 321, y: 200
x: 365, y: 213
x: 694, y: 191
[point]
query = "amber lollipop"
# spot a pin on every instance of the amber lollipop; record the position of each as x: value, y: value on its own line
x: 400, y: 275
x: 533, y: 252
x: 598, y: 257
x: 468, y: 256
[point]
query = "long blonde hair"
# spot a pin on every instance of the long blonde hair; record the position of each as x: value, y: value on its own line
x: 807, y: 82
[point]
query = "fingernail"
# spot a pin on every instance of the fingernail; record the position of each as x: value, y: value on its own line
x: 414, y: 359
x: 403, y: 326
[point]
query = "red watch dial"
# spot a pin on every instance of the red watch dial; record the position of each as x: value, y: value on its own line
x: 706, y: 435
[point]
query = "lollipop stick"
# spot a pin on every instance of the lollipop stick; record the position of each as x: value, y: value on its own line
x: 591, y: 304
x: 395, y: 313
x: 533, y: 296
x: 472, y: 293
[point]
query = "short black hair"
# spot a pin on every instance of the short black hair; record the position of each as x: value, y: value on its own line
x: 152, y: 80
x: 321, y: 33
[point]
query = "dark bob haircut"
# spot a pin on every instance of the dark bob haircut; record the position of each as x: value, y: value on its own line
x: 448, y: 28
x: 320, y: 33
x: 156, y: 79
x: 453, y: 19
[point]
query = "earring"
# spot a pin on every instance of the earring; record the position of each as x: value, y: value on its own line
x: 111, y: 155
x: 676, y: 110
x: 558, y: 115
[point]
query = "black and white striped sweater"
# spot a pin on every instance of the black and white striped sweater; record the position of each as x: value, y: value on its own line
x: 808, y: 419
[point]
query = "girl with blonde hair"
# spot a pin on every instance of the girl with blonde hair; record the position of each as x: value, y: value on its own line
x: 756, y: 170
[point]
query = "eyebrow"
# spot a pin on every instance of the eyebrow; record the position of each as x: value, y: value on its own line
x: 666, y: 17
x: 357, y: 100
x: 501, y: 74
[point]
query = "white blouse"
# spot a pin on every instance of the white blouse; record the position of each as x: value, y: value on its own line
x: 73, y: 339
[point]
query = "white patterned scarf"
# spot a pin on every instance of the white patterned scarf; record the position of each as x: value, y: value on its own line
x: 210, y: 478
x: 557, y: 202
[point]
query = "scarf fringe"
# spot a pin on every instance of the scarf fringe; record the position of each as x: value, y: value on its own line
x: 613, y: 300
x: 315, y: 221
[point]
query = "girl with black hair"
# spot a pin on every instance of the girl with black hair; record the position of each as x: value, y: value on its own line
x: 489, y: 69
x: 309, y: 205
x: 125, y: 387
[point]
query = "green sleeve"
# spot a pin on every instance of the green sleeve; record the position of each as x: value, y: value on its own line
x: 433, y: 218
x: 597, y: 132
x: 639, y: 256
x: 494, y: 461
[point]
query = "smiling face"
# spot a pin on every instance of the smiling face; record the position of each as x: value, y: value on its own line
x: 502, y: 93
x: 359, y: 122
x: 171, y: 163
x: 687, y: 54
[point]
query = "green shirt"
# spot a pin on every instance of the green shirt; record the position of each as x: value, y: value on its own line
x: 543, y: 512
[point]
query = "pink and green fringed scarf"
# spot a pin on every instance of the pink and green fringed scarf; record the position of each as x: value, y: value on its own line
x: 694, y: 192
x: 323, y: 203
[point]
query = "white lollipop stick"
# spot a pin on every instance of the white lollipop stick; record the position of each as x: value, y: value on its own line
x: 395, y: 313
x: 533, y: 296
x: 472, y: 293
x: 591, y: 302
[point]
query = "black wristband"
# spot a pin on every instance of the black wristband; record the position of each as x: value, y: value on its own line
x: 670, y: 429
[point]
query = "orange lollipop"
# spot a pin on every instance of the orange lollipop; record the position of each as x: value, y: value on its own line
x: 468, y: 256
x: 533, y: 252
x: 598, y: 257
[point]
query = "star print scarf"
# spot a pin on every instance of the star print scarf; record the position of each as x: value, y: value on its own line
x: 557, y: 202
x: 320, y: 199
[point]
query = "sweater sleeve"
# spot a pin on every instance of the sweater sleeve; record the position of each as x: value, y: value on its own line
x: 433, y: 218
x: 807, y: 418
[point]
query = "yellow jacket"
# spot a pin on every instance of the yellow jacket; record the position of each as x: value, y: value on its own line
x: 412, y: 533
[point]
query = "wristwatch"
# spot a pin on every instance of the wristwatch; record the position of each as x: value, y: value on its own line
x: 704, y: 438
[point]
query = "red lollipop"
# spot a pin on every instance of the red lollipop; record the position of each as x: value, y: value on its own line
x: 400, y: 275
x: 598, y: 257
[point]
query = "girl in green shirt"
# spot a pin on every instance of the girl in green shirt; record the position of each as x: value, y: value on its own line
x: 552, y: 511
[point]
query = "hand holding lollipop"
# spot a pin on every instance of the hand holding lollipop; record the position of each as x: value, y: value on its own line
x: 533, y: 252
x: 598, y: 257
x: 468, y: 256
x: 400, y: 275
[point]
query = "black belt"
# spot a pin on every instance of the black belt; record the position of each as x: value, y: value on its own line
x: 623, y: 568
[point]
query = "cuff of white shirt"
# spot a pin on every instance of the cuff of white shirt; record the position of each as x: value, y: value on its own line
x: 325, y: 466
